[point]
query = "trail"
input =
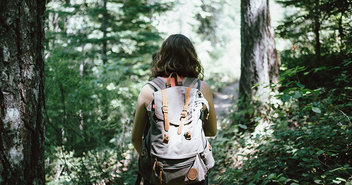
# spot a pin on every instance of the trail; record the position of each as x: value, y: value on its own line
x: 225, y: 98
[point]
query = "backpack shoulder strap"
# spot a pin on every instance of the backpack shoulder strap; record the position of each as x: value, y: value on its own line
x: 198, y: 86
x: 158, y: 83
x: 190, y: 82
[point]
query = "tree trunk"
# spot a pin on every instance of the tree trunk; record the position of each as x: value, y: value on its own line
x: 103, y: 28
x: 21, y: 92
x: 340, y: 28
x: 259, y: 60
x: 317, y: 28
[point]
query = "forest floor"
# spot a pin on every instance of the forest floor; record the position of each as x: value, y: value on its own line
x: 224, y: 99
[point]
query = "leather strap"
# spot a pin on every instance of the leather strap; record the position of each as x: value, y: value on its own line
x: 165, y: 110
x: 184, y: 111
x: 178, y: 80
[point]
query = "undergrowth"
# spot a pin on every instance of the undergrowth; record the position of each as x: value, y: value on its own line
x: 304, y: 136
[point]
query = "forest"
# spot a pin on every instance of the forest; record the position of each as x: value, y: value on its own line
x: 72, y: 70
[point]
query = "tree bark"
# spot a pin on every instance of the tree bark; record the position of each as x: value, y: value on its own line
x: 21, y: 92
x: 340, y: 28
x: 259, y: 60
x: 103, y: 28
x: 317, y: 28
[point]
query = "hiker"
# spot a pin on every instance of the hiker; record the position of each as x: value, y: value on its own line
x: 176, y: 63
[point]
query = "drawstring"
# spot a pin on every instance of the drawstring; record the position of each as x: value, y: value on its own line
x: 155, y: 165
x: 161, y: 175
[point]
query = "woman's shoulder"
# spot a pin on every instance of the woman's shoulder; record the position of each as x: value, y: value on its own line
x: 204, y: 87
x: 146, y: 94
x: 204, y: 84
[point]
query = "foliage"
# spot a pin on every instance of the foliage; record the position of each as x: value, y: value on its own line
x: 330, y: 19
x: 97, y: 59
x: 303, y: 135
x: 308, y: 141
x: 106, y: 166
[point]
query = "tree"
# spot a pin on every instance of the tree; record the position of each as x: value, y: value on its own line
x: 21, y: 92
x: 259, y: 60
x: 326, y: 20
x: 97, y: 57
x: 87, y: 62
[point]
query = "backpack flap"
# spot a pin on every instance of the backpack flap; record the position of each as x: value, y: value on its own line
x: 175, y: 104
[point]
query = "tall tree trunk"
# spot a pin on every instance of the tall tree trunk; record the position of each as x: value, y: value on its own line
x: 317, y: 28
x: 60, y: 134
x: 21, y: 92
x: 259, y: 60
x: 340, y: 28
x: 103, y: 28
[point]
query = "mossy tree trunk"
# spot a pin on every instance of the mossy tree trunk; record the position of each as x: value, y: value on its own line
x: 259, y: 60
x: 21, y: 92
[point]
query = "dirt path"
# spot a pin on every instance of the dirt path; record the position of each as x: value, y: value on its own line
x: 225, y: 98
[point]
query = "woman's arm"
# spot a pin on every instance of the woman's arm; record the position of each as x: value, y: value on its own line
x: 209, y: 127
x: 144, y: 98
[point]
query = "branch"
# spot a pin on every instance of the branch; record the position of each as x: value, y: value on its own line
x: 345, y: 115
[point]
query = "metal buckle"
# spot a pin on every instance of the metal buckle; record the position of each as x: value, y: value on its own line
x: 183, y: 113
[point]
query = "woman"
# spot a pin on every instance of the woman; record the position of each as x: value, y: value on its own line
x: 177, y: 55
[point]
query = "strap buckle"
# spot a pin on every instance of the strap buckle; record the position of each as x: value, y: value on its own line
x: 165, y: 109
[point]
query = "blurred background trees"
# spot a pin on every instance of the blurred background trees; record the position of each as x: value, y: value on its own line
x: 92, y: 49
x: 97, y: 55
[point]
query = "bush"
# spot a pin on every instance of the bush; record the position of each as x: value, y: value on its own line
x: 305, y: 137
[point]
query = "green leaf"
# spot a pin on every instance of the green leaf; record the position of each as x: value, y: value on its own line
x: 271, y: 176
x: 297, y: 95
x: 317, y: 181
x: 316, y: 110
x: 242, y: 126
x: 286, y: 97
x: 257, y: 119
x: 282, y: 179
x: 300, y: 85
x: 336, y: 182
x: 320, y: 152
x: 341, y: 179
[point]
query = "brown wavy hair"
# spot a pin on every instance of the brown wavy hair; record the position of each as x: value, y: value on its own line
x: 177, y: 54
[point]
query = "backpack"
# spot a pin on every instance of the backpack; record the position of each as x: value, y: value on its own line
x: 175, y: 149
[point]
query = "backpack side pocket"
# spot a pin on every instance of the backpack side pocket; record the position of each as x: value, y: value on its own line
x: 207, y: 156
